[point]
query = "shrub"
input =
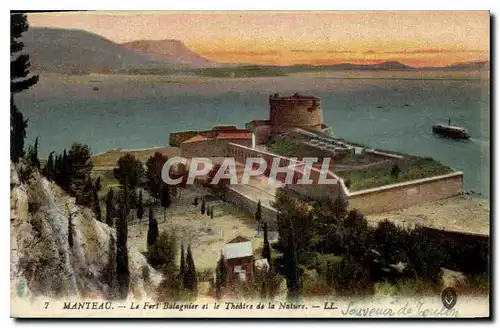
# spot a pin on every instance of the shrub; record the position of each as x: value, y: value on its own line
x: 426, y: 255
x: 349, y: 277
x: 391, y: 241
x: 163, y: 253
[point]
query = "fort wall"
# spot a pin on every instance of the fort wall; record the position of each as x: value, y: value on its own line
x: 406, y: 194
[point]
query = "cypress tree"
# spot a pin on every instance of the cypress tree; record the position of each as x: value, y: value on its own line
x: 109, y: 207
x: 165, y: 199
x: 70, y: 228
x: 122, y: 270
x: 292, y: 266
x: 65, y: 171
x: 220, y: 275
x: 212, y: 213
x: 182, y: 266
x: 152, y: 228
x: 111, y: 267
x: 203, y: 206
x: 258, y: 212
x: 33, y: 155
x: 191, y: 280
x: 95, y: 196
x: 57, y: 169
x: 48, y: 170
x: 208, y: 210
x: 140, y: 208
x: 266, y: 250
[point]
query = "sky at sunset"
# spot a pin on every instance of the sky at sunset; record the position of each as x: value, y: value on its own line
x: 284, y: 38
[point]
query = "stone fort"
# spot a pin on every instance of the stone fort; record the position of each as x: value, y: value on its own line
x: 287, y: 112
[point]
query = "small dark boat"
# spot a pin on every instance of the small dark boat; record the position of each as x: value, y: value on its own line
x: 95, y: 88
x: 449, y: 131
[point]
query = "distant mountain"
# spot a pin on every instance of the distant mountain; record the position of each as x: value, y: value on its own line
x: 484, y: 65
x: 77, y: 52
x: 172, y: 49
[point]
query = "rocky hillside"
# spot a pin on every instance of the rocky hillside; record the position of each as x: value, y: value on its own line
x: 43, y: 263
x: 174, y: 49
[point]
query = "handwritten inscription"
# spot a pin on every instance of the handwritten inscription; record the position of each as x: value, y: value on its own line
x: 417, y: 310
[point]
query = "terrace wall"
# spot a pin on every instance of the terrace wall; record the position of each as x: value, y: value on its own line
x: 249, y: 206
x: 406, y: 194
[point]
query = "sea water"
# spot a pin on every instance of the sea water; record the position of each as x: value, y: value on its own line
x: 383, y: 111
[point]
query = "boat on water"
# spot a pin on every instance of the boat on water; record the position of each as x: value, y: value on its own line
x: 450, y: 131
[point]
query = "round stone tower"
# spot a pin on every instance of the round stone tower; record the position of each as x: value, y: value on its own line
x: 295, y: 111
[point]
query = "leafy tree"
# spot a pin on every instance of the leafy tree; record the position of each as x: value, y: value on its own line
x: 203, y: 206
x: 180, y: 172
x: 33, y: 155
x: 355, y: 235
x: 258, y: 212
x: 153, y: 228
x: 48, y: 170
x: 77, y: 166
x: 129, y: 171
x: 163, y: 253
x: 165, y: 199
x: 349, y: 276
x: 110, y: 207
x: 426, y: 255
x: 191, y: 283
x: 266, y: 250
x: 154, y: 166
x: 20, y: 80
x: 391, y: 242
x: 122, y: 270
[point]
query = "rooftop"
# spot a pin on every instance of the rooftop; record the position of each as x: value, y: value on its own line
x: 295, y: 96
x: 238, y: 247
x: 196, y: 138
x: 241, y: 134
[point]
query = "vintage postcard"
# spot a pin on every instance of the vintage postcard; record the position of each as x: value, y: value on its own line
x: 250, y: 164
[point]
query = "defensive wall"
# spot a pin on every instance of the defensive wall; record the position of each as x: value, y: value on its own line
x: 406, y: 194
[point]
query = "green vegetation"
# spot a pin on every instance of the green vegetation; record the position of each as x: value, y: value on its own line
x: 240, y: 72
x: 410, y: 169
x: 336, y: 251
x: 290, y: 148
